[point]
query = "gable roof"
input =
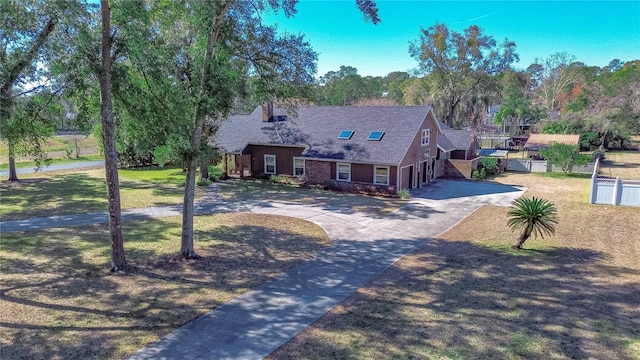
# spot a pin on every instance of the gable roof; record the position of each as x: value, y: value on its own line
x: 461, y: 139
x: 317, y: 128
x: 445, y: 144
x: 543, y: 140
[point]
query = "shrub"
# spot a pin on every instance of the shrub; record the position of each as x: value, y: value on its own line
x: 479, y: 173
x: 564, y: 156
x: 490, y: 165
x: 204, y: 182
x: 403, y: 194
x: 215, y: 173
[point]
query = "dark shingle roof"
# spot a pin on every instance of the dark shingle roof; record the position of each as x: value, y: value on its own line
x: 317, y: 128
x: 445, y: 144
x: 461, y: 139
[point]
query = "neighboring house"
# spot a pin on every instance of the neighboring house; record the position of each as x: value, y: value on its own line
x: 385, y: 147
x: 535, y: 142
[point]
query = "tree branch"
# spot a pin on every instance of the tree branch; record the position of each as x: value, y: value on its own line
x: 14, y: 73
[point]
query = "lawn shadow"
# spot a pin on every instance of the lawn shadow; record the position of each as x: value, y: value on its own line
x: 64, y: 194
x: 458, y: 299
x: 77, y: 309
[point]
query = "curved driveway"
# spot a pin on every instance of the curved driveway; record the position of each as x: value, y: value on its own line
x: 364, y: 244
x: 259, y: 321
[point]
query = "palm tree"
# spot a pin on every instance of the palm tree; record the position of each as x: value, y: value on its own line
x: 532, y: 216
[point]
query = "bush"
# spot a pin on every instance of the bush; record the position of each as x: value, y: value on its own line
x: 204, y: 182
x: 479, y: 174
x: 564, y: 156
x: 490, y: 165
x: 403, y: 194
x: 215, y: 173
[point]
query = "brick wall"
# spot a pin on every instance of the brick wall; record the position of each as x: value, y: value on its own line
x: 317, y: 172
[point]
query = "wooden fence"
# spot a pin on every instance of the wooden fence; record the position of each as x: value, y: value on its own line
x: 614, y: 191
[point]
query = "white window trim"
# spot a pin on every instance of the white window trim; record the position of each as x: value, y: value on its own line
x: 338, y: 172
x: 423, y: 137
x: 375, y: 168
x: 265, y: 164
x: 304, y: 166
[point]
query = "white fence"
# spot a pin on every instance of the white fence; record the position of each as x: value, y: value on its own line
x: 527, y: 165
x: 614, y: 191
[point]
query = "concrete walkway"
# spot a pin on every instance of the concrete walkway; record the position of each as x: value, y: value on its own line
x: 259, y: 321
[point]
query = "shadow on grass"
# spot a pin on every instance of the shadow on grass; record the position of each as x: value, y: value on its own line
x: 70, y: 193
x: 457, y: 299
x: 58, y: 299
x: 79, y: 193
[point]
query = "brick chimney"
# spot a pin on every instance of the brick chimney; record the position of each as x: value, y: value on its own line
x: 267, y: 111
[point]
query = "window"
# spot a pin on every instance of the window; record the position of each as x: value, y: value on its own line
x: 269, y: 164
x: 345, y: 134
x: 298, y: 166
x: 426, y: 134
x: 343, y: 172
x: 381, y: 175
x: 375, y: 135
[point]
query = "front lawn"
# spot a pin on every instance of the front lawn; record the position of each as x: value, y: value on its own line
x: 58, y: 300
x: 465, y: 295
x: 73, y: 192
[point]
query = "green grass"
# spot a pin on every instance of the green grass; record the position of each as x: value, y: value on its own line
x: 561, y: 175
x: 31, y: 164
x: 60, y: 193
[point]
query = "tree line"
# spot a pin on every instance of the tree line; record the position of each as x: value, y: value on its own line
x: 602, y: 104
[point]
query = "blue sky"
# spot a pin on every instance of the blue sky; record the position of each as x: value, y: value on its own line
x: 595, y: 32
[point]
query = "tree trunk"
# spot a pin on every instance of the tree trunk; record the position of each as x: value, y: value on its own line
x: 187, y: 248
x: 204, y: 169
x: 518, y: 244
x: 13, y: 175
x: 225, y: 161
x: 118, y: 262
x: 450, y: 117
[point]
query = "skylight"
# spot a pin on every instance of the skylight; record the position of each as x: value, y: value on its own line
x: 345, y: 134
x: 375, y: 135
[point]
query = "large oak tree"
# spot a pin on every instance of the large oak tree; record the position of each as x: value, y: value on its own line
x: 460, y: 64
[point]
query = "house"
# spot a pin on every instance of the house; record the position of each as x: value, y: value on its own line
x: 535, y: 142
x: 384, y: 147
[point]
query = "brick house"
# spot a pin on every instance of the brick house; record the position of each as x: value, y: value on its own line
x: 383, y: 147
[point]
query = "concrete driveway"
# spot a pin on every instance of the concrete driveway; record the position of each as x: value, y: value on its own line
x: 256, y: 323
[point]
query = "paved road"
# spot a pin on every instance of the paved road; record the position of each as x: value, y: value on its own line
x: 259, y: 321
x: 69, y: 166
